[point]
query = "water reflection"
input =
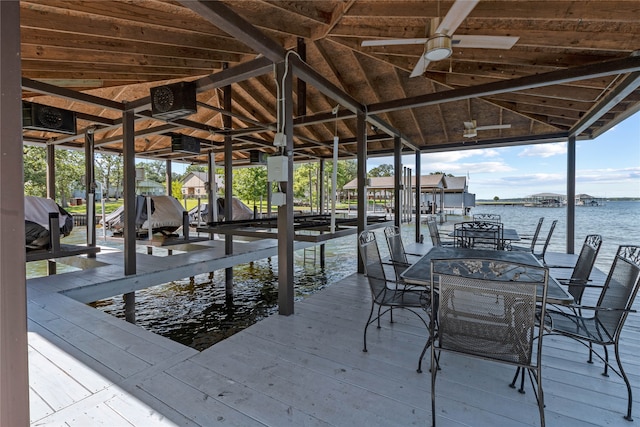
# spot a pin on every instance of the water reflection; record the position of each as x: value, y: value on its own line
x: 197, y: 313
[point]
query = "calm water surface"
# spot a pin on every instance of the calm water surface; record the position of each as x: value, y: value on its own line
x: 197, y: 314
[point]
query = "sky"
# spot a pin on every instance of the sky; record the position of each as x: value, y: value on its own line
x: 608, y: 166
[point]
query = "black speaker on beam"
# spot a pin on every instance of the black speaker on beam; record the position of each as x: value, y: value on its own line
x: 185, y: 144
x: 257, y: 157
x: 47, y: 118
x: 173, y: 101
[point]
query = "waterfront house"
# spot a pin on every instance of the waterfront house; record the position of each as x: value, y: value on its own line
x: 195, y: 184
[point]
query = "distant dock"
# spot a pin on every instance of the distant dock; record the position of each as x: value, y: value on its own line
x: 501, y: 203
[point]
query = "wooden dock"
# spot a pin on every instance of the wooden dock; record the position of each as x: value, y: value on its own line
x: 89, y: 369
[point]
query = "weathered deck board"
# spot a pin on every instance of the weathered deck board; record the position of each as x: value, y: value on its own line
x: 305, y: 369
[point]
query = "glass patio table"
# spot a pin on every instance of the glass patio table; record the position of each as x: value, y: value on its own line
x: 420, y: 272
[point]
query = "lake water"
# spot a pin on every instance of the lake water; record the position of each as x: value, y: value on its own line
x: 197, y: 314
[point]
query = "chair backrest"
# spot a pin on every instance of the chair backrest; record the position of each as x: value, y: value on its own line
x: 536, y: 233
x: 584, y: 266
x: 487, y: 308
x: 433, y: 232
x: 486, y: 217
x: 397, y: 254
x: 373, y: 267
x: 478, y: 235
x: 396, y: 247
x: 619, y: 291
x: 547, y: 240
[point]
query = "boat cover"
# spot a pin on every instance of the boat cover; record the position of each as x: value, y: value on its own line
x: 36, y: 221
x: 240, y: 210
x: 166, y: 215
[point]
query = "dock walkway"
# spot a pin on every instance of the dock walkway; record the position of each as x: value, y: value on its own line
x: 89, y: 369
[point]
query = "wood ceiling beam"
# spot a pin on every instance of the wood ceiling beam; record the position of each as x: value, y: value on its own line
x: 233, y: 24
x: 628, y: 84
x: 47, y: 89
x: 621, y: 66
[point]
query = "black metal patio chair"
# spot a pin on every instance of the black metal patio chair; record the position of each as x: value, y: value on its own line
x: 398, y: 256
x: 487, y: 309
x: 387, y: 294
x: 534, y: 238
x: 579, y: 280
x: 608, y: 317
x: 478, y: 235
x: 540, y: 255
x: 434, y: 233
x: 486, y: 217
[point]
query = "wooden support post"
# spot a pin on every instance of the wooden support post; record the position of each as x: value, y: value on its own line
x: 571, y: 194
x: 418, y: 196
x: 228, y: 185
x: 129, y: 165
x: 90, y: 188
x: 397, y: 179
x: 168, y: 178
x: 361, y: 138
x: 14, y: 383
x: 285, y: 213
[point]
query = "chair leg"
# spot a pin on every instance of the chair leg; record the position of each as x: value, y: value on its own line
x: 590, y: 353
x: 434, y: 360
x: 606, y: 361
x: 626, y: 381
x: 367, y: 326
x: 519, y: 371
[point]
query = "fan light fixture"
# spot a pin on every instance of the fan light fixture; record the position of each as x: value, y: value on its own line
x: 438, y: 47
x: 470, y: 133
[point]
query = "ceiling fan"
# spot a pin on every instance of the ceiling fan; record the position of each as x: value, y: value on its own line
x: 471, y: 129
x: 439, y: 44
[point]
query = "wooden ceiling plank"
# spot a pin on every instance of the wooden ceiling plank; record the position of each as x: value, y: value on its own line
x: 626, y: 65
x: 89, y: 42
x: 70, y: 27
x: 159, y: 14
x: 82, y: 56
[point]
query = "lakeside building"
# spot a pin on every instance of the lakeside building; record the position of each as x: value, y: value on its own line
x: 438, y: 192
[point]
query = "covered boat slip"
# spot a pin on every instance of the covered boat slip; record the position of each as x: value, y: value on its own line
x: 105, y: 276
x: 307, y: 228
x: 88, y: 368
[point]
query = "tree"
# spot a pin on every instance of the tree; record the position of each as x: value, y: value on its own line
x: 35, y: 171
x: 154, y: 171
x: 305, y: 175
x: 69, y: 167
x: 70, y: 170
x: 109, y: 172
x: 496, y: 198
x: 250, y: 184
x: 176, y: 189
x: 382, y: 170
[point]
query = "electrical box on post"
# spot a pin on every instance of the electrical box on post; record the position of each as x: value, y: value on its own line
x: 279, y: 199
x: 277, y: 168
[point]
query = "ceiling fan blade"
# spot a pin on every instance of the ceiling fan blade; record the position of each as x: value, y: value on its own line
x: 393, y: 42
x: 484, y: 42
x: 490, y: 127
x: 455, y: 16
x: 420, y: 67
